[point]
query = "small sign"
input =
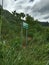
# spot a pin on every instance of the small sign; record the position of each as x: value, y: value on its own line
x: 25, y: 25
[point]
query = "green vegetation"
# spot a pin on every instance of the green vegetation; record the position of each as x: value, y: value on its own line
x: 12, y: 51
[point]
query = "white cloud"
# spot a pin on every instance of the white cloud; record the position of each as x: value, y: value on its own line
x: 36, y: 8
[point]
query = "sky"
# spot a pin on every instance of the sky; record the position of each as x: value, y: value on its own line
x: 39, y: 9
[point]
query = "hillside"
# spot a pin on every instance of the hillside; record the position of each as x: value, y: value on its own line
x: 12, y: 51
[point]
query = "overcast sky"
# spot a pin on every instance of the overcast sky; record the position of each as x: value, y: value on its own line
x: 39, y: 9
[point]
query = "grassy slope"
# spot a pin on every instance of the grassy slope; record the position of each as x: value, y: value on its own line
x: 9, y: 26
x: 35, y: 53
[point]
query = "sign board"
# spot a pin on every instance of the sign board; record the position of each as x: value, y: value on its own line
x: 25, y: 25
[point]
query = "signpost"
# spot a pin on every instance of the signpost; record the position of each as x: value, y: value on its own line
x: 25, y: 26
x: 21, y: 32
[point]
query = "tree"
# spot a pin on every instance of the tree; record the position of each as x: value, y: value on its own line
x: 0, y: 9
x: 14, y: 12
x: 29, y: 19
x: 22, y: 15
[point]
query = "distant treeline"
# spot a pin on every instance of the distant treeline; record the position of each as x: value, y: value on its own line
x: 44, y: 23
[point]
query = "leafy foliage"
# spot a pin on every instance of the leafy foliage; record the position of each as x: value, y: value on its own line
x: 12, y: 51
